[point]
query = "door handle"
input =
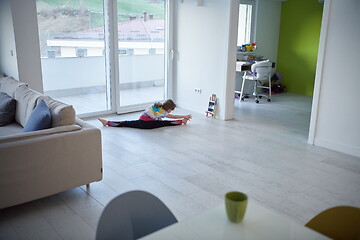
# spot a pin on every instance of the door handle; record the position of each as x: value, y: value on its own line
x: 172, y: 54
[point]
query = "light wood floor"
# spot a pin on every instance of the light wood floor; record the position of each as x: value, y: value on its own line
x: 262, y: 152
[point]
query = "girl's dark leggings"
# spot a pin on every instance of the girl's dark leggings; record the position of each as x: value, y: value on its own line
x: 144, y: 124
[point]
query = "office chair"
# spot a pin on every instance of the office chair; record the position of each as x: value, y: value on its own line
x: 133, y: 215
x: 260, y: 71
x: 342, y: 222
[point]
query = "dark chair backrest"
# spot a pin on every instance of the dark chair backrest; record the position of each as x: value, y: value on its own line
x: 133, y: 215
x: 342, y: 222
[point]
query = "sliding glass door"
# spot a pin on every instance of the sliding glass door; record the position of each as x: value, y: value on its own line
x: 141, y: 49
x: 103, y: 56
x: 72, y: 53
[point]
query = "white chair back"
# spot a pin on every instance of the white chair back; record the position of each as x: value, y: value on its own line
x: 261, y: 69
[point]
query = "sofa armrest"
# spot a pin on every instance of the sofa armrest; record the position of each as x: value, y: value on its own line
x: 83, y: 124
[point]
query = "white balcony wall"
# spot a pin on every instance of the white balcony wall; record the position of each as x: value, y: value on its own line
x: 67, y: 52
x: 76, y: 72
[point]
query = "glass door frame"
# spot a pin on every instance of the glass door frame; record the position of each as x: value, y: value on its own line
x: 168, y: 59
x: 112, y: 59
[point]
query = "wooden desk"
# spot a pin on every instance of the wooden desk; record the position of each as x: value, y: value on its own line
x: 259, y: 223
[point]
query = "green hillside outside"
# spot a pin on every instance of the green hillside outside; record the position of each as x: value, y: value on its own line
x: 94, y: 8
x: 58, y: 17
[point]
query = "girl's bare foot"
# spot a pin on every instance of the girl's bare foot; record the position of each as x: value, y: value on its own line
x: 103, y: 121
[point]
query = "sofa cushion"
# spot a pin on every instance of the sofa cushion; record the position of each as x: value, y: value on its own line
x: 7, y: 109
x: 40, y: 118
x: 50, y: 132
x: 9, y: 85
x: 62, y: 114
x: 1, y: 78
x: 10, y: 129
x: 26, y: 101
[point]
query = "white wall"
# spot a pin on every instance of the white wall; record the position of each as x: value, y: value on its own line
x: 268, y: 28
x: 336, y: 112
x: 26, y: 34
x: 201, y: 40
x: 8, y: 63
x: 206, y: 41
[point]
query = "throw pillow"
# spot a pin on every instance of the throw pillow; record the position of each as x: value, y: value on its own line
x: 7, y: 109
x: 40, y: 118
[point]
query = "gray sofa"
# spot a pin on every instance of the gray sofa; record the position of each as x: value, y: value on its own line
x: 41, y: 163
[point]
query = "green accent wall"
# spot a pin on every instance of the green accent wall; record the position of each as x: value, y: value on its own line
x: 298, y: 44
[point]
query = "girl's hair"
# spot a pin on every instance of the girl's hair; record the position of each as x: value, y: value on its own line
x: 167, y: 105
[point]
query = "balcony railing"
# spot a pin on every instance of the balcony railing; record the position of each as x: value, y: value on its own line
x: 81, y: 81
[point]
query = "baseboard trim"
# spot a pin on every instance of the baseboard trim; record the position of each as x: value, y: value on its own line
x: 337, y: 146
